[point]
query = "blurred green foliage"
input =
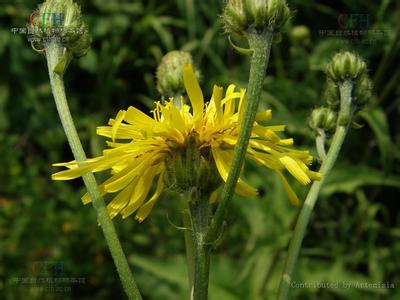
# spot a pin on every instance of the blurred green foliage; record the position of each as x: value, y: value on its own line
x: 354, y: 233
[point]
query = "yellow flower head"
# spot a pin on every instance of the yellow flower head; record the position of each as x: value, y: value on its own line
x: 151, y: 142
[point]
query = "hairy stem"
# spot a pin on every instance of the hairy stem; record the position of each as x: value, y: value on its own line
x: 200, y: 214
x: 188, y: 241
x: 312, y: 197
x: 260, y: 43
x: 53, y: 54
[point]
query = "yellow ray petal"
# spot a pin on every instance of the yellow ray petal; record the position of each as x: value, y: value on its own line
x: 223, y: 161
x: 194, y: 91
x: 268, y: 160
x: 314, y: 175
x: 120, y: 201
x: 292, y: 195
x: 229, y: 102
x: 286, y: 142
x: 264, y: 115
x: 143, y: 188
x: 216, y: 99
x: 176, y: 120
x: 86, y: 167
x: 118, y: 120
x: 136, y: 117
x: 145, y: 210
x: 292, y: 166
x: 125, y: 131
x: 134, y: 169
x: 266, y: 133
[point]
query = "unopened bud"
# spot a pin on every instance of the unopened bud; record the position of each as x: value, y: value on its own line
x: 362, y: 91
x: 300, y: 35
x: 345, y: 65
x: 169, y: 73
x: 323, y: 118
x: 332, y: 94
x: 60, y: 21
x: 240, y: 15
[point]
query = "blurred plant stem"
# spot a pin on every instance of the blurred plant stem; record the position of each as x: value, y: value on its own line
x: 386, y: 61
x: 344, y: 119
x: 54, y: 52
x: 277, y: 55
x: 199, y: 208
x: 260, y: 43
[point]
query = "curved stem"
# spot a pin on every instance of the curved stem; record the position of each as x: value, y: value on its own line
x: 312, y: 197
x: 200, y: 214
x: 260, y: 43
x: 53, y: 54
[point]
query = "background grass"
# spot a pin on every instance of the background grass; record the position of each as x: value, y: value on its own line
x: 354, y: 233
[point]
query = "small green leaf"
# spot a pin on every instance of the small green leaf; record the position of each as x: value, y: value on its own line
x: 241, y: 50
x: 62, y: 65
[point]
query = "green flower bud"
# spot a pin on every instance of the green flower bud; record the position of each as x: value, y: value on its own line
x: 323, y: 118
x: 332, y: 94
x: 234, y: 17
x: 345, y: 65
x: 300, y: 35
x: 169, y: 73
x: 190, y: 167
x: 60, y: 20
x: 362, y: 91
x: 240, y: 15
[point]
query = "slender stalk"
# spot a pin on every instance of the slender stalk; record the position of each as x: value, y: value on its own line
x: 320, y: 143
x: 53, y: 55
x: 312, y: 197
x: 260, y: 43
x: 188, y: 242
x: 200, y: 214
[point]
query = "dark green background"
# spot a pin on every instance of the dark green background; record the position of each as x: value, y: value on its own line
x: 354, y: 233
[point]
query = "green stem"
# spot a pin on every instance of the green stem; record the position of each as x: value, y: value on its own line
x: 312, y: 197
x: 200, y: 214
x: 320, y: 143
x: 260, y: 43
x: 53, y: 54
x: 188, y: 241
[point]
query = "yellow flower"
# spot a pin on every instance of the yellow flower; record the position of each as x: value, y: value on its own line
x: 150, y: 142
